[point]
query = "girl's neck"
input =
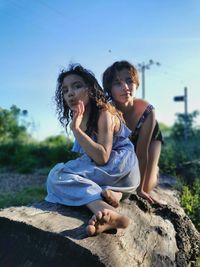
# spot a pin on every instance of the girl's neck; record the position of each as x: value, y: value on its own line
x: 125, y: 107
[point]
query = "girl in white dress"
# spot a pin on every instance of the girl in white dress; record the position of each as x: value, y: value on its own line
x: 107, y: 166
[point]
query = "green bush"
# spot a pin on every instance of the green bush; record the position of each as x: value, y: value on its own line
x: 176, y: 153
x: 190, y: 200
x: 181, y: 157
x: 25, y: 158
x: 167, y: 162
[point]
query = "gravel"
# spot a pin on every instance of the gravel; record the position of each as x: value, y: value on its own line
x: 12, y: 182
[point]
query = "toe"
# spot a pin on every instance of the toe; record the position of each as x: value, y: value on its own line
x: 91, y: 230
x: 99, y: 215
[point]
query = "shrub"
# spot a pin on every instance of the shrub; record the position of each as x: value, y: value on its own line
x: 190, y: 200
x: 26, y: 158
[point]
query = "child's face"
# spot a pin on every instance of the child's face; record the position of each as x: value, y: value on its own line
x: 123, y: 87
x: 74, y: 89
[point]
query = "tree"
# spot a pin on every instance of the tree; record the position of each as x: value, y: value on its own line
x: 13, y: 125
x: 179, y: 126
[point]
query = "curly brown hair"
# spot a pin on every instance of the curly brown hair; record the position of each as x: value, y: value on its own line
x: 97, y: 97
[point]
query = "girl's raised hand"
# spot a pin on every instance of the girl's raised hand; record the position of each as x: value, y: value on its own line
x: 78, y: 111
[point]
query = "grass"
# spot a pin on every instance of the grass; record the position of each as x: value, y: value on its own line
x: 198, y: 262
x: 27, y: 196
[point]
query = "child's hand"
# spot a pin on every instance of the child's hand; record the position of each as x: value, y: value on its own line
x: 78, y: 111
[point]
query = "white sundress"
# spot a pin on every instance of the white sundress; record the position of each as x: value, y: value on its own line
x: 80, y: 181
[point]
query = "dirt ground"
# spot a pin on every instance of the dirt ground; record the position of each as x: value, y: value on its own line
x: 12, y: 182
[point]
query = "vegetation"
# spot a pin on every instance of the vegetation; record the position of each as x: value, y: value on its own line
x: 24, y: 197
x: 180, y: 157
x: 19, y: 152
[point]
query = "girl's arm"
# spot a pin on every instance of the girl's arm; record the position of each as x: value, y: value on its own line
x: 143, y: 143
x: 98, y: 151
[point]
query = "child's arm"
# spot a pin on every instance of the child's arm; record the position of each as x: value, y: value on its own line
x: 143, y: 144
x: 99, y: 151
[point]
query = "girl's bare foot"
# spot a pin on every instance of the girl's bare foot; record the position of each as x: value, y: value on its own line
x: 106, y: 220
x: 112, y: 197
x: 151, y: 199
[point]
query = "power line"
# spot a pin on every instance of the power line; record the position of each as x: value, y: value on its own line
x: 55, y: 10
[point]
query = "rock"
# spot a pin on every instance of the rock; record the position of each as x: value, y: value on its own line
x: 45, y: 234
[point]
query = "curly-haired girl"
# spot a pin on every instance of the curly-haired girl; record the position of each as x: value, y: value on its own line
x: 107, y: 166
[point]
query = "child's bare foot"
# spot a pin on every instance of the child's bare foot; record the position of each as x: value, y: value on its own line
x: 112, y: 197
x: 106, y: 220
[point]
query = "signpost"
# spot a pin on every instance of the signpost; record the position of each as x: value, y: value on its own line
x: 184, y: 98
x: 179, y: 98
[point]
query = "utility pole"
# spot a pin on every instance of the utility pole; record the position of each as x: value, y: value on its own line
x: 186, y: 114
x: 142, y: 67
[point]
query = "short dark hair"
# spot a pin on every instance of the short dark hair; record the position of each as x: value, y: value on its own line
x: 110, y: 72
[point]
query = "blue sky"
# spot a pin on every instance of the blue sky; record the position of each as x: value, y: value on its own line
x: 40, y: 37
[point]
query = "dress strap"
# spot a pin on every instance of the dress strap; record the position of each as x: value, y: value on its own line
x: 145, y: 114
x: 135, y: 133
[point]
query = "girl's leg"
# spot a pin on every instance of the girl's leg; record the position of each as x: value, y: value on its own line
x: 152, y: 167
x: 105, y: 218
x: 112, y: 197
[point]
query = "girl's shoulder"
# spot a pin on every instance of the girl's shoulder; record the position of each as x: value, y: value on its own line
x: 105, y: 116
x: 110, y: 111
x: 111, y: 119
x: 141, y: 104
x: 139, y: 107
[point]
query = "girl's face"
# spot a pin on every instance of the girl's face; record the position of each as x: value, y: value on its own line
x: 74, y: 89
x: 123, y: 87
